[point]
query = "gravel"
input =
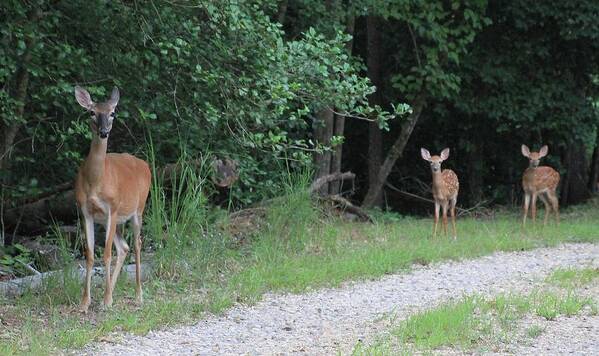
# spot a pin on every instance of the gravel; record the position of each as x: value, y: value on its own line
x: 577, y: 335
x: 329, y: 321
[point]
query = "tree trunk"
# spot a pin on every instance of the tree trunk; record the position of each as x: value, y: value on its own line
x: 282, y: 12
x: 574, y: 189
x: 395, y: 152
x: 475, y: 178
x: 565, y: 179
x: 339, y: 126
x: 594, y: 174
x: 20, y: 95
x: 323, y: 131
x: 375, y: 136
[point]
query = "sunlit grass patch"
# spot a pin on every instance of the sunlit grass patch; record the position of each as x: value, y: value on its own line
x: 453, y: 324
x: 573, y: 277
x: 475, y: 322
x: 550, y: 306
x: 535, y: 331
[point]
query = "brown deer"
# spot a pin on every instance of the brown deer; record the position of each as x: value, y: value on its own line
x: 539, y: 181
x: 445, y: 189
x: 111, y: 189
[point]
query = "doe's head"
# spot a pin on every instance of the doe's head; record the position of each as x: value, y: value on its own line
x: 534, y: 158
x: 102, y: 114
x: 435, y: 161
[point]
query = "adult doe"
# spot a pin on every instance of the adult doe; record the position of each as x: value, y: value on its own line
x: 111, y: 189
x: 539, y: 181
x: 445, y: 189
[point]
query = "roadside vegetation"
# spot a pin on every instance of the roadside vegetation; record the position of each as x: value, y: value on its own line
x: 202, y: 263
x: 482, y: 324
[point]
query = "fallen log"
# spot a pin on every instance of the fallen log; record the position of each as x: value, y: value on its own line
x: 18, y: 286
x: 55, y: 190
x: 345, y: 205
x: 36, y: 216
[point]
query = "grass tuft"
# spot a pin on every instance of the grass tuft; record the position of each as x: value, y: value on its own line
x: 573, y: 277
x: 452, y: 324
x: 535, y: 331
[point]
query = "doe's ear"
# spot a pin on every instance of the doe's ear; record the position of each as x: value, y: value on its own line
x: 426, y: 155
x: 83, y: 98
x: 114, y: 97
x: 543, y: 151
x: 525, y: 151
x: 445, y: 154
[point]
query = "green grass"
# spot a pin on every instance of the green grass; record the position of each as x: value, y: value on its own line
x: 452, y: 324
x: 535, y: 331
x: 574, y: 277
x: 474, y: 322
x: 478, y: 323
x: 199, y: 268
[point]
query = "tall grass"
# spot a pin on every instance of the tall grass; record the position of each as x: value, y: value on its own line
x: 177, y: 217
x: 292, y: 224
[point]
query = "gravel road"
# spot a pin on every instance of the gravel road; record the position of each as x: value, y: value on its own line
x: 329, y: 321
x: 577, y: 335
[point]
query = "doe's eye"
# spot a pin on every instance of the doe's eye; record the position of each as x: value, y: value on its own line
x: 112, y: 114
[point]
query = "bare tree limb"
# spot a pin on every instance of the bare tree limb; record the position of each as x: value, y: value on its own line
x: 395, y: 152
x: 317, y: 184
x: 418, y: 197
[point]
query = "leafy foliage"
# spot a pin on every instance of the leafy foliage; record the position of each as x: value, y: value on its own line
x: 216, y: 78
x: 13, y: 260
x: 213, y: 77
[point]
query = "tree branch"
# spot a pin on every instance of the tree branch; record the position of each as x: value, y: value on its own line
x: 317, y: 184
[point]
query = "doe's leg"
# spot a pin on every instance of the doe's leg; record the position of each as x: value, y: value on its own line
x: 136, y: 222
x: 454, y: 201
x: 534, y: 208
x: 547, y: 207
x: 110, y: 232
x: 445, y: 206
x: 122, y: 249
x: 437, y: 207
x: 89, y: 262
x: 526, y: 205
x: 555, y: 203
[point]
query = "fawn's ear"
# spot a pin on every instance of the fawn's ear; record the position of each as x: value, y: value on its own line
x: 114, y: 98
x: 543, y: 151
x: 525, y: 151
x: 426, y: 155
x: 83, y: 98
x: 445, y: 154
